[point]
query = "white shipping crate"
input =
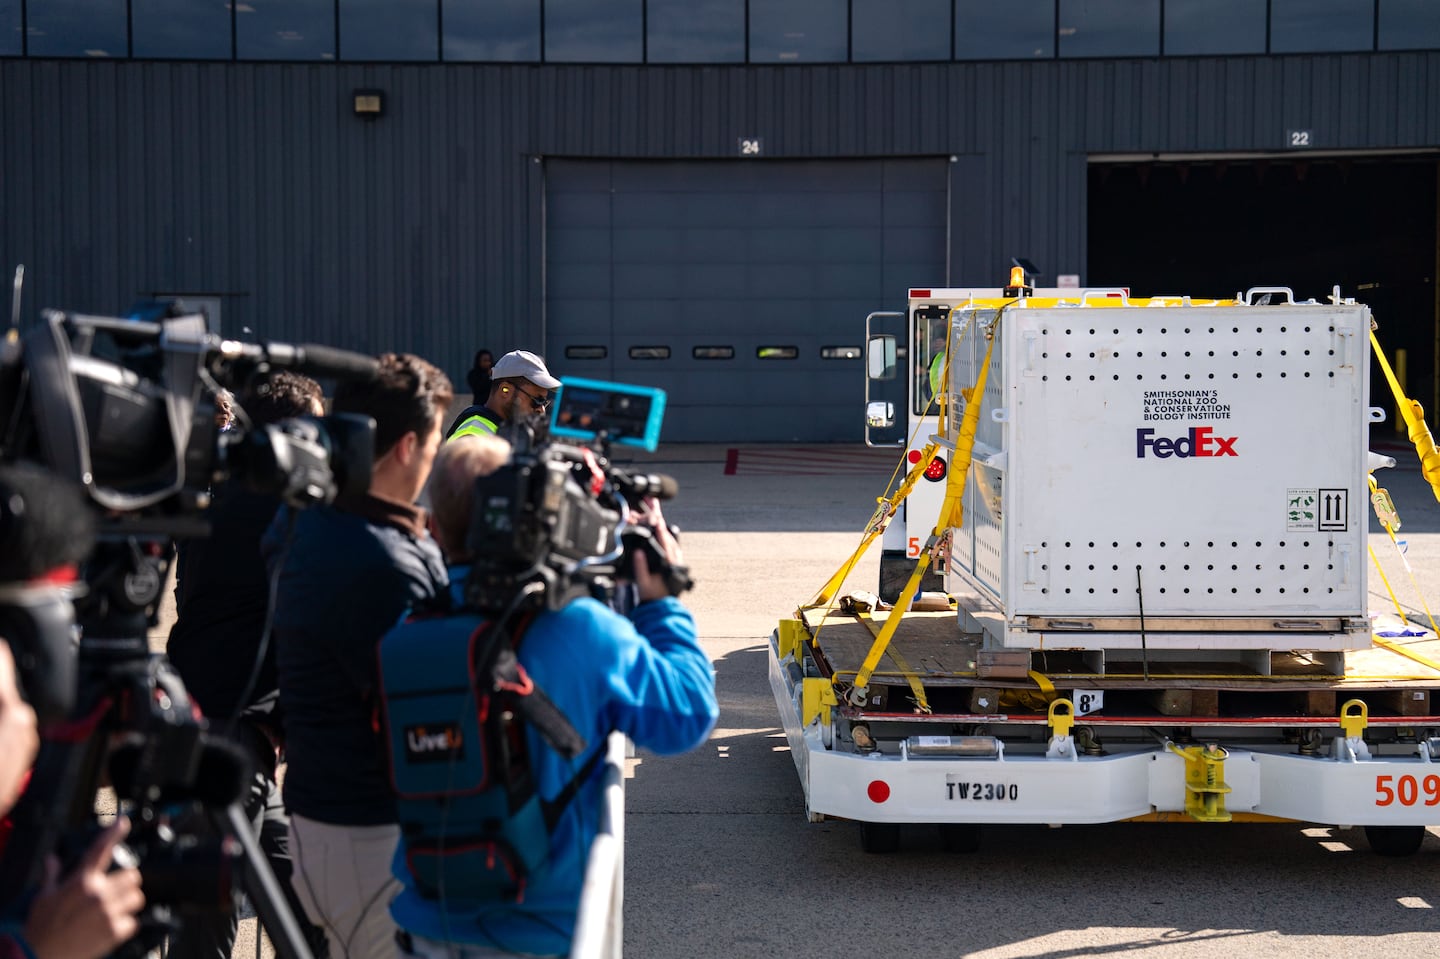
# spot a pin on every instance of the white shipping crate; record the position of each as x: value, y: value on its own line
x: 1195, y: 474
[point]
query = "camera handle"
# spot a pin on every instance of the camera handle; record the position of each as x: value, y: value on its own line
x: 125, y: 689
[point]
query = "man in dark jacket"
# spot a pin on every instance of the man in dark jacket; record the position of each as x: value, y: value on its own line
x: 222, y: 594
x: 346, y: 574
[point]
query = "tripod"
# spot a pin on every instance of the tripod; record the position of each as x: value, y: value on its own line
x: 133, y: 719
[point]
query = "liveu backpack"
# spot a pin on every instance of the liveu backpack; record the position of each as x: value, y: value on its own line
x: 455, y: 704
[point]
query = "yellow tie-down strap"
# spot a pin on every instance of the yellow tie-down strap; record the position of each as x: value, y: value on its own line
x: 1414, y: 415
x: 952, y: 511
x: 888, y: 506
x: 911, y: 677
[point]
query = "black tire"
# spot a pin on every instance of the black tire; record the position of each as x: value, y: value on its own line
x: 960, y: 837
x: 1395, y: 840
x: 880, y: 837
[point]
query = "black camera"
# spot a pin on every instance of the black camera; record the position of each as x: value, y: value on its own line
x: 560, y: 513
x: 123, y: 412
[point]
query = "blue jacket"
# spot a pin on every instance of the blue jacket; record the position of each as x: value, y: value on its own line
x: 348, y: 577
x: 645, y: 676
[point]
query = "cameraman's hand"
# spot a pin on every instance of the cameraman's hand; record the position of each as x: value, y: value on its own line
x: 648, y: 583
x: 18, y: 738
x: 93, y: 910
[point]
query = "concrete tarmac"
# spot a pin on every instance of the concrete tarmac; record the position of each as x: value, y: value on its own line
x: 722, y: 864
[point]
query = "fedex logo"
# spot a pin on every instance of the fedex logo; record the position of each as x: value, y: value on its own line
x: 1199, y: 441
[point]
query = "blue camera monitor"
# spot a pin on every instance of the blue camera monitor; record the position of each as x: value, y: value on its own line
x: 625, y: 414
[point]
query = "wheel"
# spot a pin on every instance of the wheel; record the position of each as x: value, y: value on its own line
x: 959, y: 837
x: 1395, y: 840
x: 880, y: 837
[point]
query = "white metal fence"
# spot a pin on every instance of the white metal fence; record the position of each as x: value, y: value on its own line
x: 599, y: 932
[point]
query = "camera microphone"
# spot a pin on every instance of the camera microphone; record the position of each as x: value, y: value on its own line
x: 641, y: 485
x: 310, y: 358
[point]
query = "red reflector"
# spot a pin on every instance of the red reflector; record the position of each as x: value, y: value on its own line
x: 919, y: 294
x: 936, y: 469
x: 914, y: 457
x: 878, y: 791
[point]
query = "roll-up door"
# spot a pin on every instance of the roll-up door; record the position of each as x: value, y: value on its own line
x: 738, y: 287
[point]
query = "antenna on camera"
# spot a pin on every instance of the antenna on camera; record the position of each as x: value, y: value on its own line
x: 15, y: 299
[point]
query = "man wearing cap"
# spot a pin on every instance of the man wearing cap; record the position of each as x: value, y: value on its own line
x: 517, y: 377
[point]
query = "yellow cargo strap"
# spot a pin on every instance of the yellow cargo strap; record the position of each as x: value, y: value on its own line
x: 1390, y: 520
x: 951, y: 511
x: 1414, y: 416
x: 878, y: 521
x: 888, y: 506
x: 911, y: 677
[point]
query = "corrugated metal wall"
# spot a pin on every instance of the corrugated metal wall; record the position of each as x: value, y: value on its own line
x: 422, y: 230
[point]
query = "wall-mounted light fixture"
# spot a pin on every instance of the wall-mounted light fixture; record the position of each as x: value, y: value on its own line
x: 369, y: 103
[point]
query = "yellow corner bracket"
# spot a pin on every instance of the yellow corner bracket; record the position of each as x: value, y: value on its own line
x: 1062, y: 716
x: 789, y: 637
x: 1205, y: 787
x: 1354, y: 723
x: 817, y: 695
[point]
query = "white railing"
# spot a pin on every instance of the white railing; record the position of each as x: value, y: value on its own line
x: 599, y: 931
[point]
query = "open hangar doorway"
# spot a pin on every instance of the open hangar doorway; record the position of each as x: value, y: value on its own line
x: 1218, y: 225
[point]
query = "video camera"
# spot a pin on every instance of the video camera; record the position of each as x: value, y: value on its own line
x: 560, y: 514
x: 124, y: 411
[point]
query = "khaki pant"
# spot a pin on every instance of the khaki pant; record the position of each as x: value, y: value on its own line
x: 342, y: 878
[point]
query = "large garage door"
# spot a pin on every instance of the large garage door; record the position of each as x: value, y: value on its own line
x: 740, y: 288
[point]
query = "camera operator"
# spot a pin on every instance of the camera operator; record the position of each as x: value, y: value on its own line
x: 44, y: 528
x: 18, y: 739
x: 346, y: 574
x: 644, y: 675
x: 222, y: 597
